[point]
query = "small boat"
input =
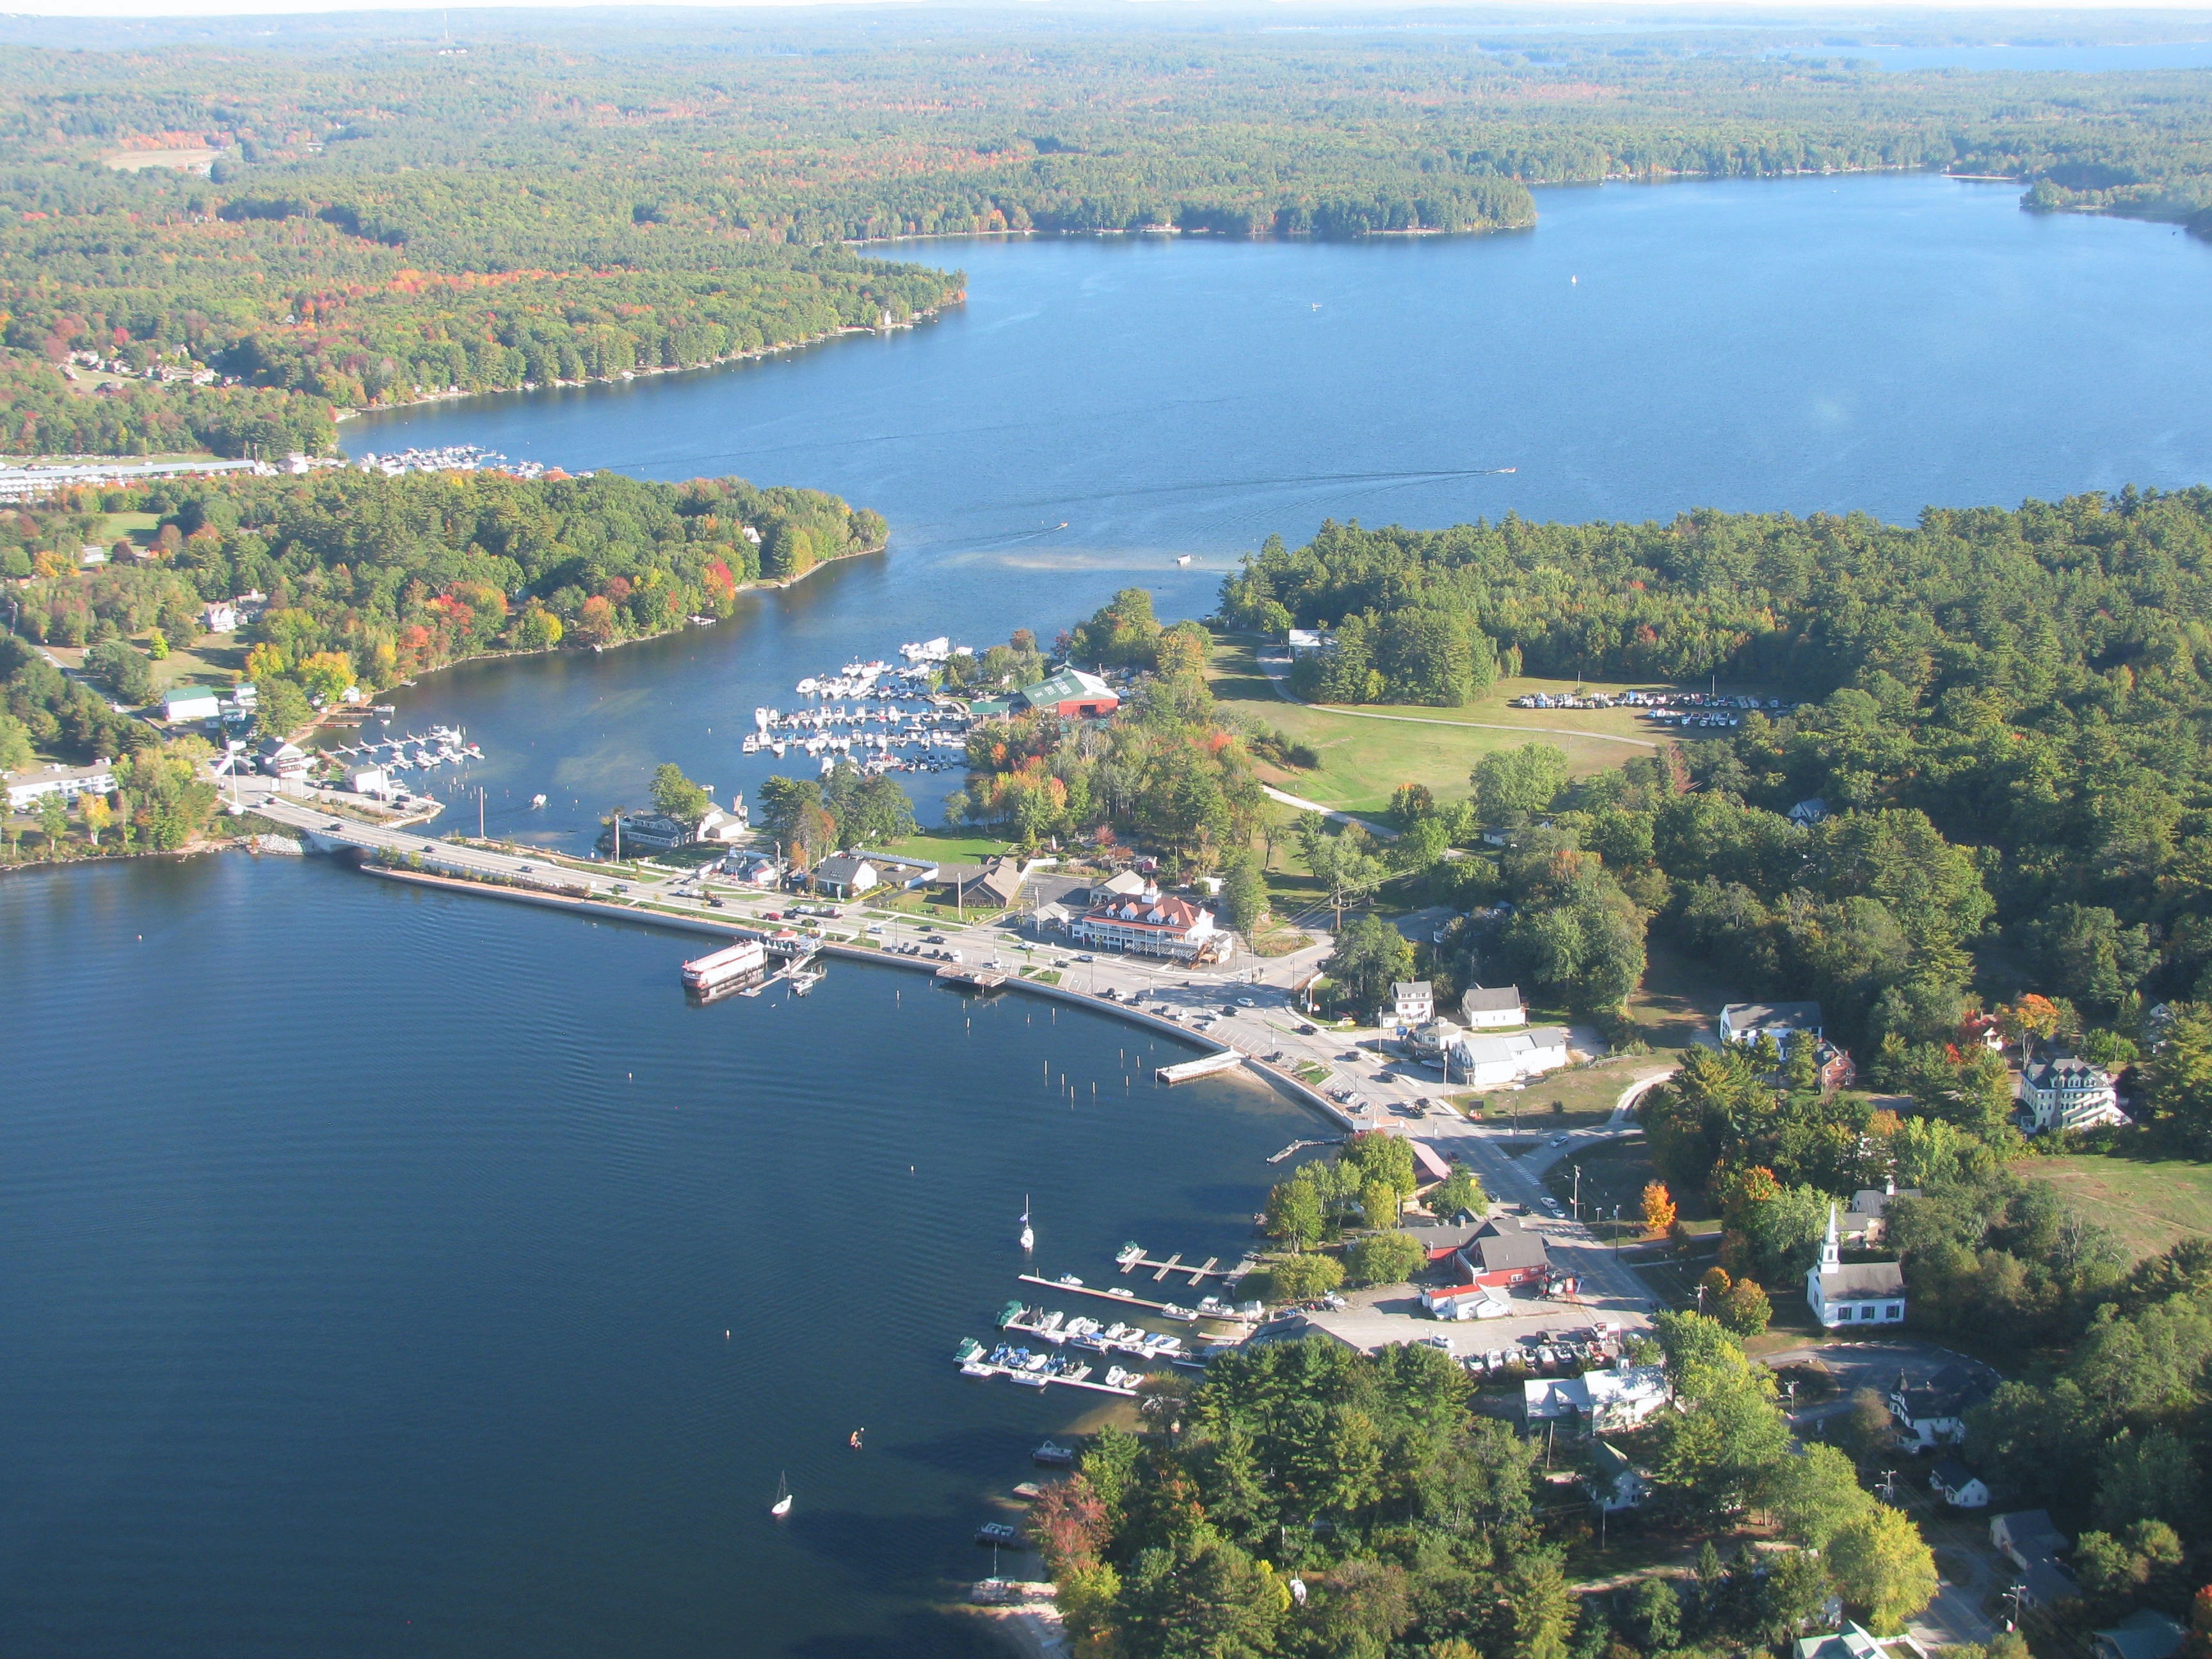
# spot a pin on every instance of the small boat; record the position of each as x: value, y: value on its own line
x: 782, y: 1507
x: 970, y: 1349
x: 1182, y: 558
x: 853, y: 1439
x: 1030, y: 1379
x: 1029, y: 1234
x: 1070, y: 1281
x: 1053, y: 1456
x: 1029, y: 1491
x: 996, y: 1532
x: 536, y: 801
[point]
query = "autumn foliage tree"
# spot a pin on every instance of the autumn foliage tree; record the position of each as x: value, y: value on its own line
x: 1658, y: 1208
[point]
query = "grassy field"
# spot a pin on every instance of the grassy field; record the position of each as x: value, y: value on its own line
x: 1363, y: 760
x: 1678, y: 998
x: 2149, y: 1204
x: 1565, y: 1100
x: 946, y: 847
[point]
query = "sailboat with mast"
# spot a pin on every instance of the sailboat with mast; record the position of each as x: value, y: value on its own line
x: 1029, y: 1234
x: 782, y: 1507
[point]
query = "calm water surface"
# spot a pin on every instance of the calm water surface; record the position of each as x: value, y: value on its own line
x: 1865, y: 343
x: 369, y: 1253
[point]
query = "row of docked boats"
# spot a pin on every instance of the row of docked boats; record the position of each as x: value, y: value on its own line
x: 1081, y: 1331
x: 444, y: 746
x: 1028, y: 1368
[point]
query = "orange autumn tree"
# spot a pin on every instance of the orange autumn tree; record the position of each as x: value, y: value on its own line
x: 1658, y: 1208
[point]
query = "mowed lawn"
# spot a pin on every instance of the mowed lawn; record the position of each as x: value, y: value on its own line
x: 2149, y: 1204
x: 1363, y: 761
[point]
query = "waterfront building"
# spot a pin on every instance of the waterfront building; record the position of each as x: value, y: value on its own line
x: 67, y: 782
x: 285, y: 761
x: 1069, y: 693
x: 1152, y: 924
x: 652, y: 832
x: 846, y: 875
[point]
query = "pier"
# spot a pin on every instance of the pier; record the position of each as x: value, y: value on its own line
x: 984, y: 979
x: 1037, y: 1380
x: 1122, y: 1298
x: 1204, y: 1066
x: 1132, y: 1257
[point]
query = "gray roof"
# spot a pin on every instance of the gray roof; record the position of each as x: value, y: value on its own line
x: 1772, y: 1016
x: 2145, y: 1633
x: 1498, y: 999
x: 2067, y: 1073
x: 1862, y: 1278
x: 1951, y: 1392
x: 1872, y: 1200
x: 1503, y: 1252
x: 1951, y: 1474
x: 2032, y: 1532
x: 1410, y: 988
x: 841, y: 868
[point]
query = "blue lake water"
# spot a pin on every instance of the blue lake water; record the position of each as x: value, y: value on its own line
x: 369, y: 1253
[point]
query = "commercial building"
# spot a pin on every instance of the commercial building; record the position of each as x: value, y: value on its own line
x: 1152, y: 924
x: 191, y: 702
x: 25, y: 789
x: 1492, y: 1060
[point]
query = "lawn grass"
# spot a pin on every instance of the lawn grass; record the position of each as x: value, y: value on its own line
x: 2150, y: 1204
x: 1573, y: 1099
x: 1616, y: 1173
x: 1678, y: 998
x: 1363, y: 761
x: 946, y: 847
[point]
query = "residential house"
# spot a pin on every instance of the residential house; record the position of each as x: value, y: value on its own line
x: 1808, y: 812
x: 1152, y: 924
x: 1309, y: 641
x: 1413, y: 1002
x: 1957, y: 1486
x: 67, y: 782
x: 651, y: 832
x: 1604, y: 1401
x: 1981, y: 1031
x: 2145, y: 1633
x: 2068, y: 1094
x: 1861, y: 1293
x: 1614, y: 1483
x: 1932, y: 1412
x: 846, y: 875
x: 752, y: 868
x: 1855, y: 1641
x: 1746, y: 1022
x: 2026, y: 1536
x: 1492, y: 1060
x: 1863, y: 1221
x: 1832, y: 1067
x: 191, y: 702
x: 722, y: 827
x: 1497, y: 1009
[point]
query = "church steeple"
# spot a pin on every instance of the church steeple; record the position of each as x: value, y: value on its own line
x: 1831, y: 1249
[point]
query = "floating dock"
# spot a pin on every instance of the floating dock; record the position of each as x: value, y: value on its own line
x: 1131, y: 1257
x: 1204, y: 1067
x: 984, y: 979
x: 980, y: 1367
x: 1129, y: 1299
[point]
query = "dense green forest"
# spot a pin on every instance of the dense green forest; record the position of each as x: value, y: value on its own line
x: 371, y: 579
x: 2006, y: 720
x: 384, y: 220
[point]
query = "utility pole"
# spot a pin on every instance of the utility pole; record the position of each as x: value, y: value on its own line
x: 1575, y: 1203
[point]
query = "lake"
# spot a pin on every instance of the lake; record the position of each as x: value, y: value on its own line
x: 371, y: 1252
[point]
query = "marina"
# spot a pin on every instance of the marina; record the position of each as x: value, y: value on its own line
x: 1071, y: 1286
x: 1204, y: 1066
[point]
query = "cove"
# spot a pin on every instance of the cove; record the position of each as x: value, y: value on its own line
x: 1864, y: 343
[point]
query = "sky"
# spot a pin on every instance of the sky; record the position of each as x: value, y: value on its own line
x: 1567, y: 10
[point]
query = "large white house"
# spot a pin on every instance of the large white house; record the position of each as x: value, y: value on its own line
x: 2069, y: 1094
x: 1149, y: 924
x: 1746, y: 1022
x: 1862, y: 1293
x: 1413, y: 1002
x: 1490, y: 1060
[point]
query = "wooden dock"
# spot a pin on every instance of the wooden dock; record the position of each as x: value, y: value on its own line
x: 1132, y: 1258
x: 984, y: 979
x: 980, y: 1368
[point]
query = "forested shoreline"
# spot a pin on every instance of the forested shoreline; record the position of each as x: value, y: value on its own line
x: 365, y: 580
x: 382, y: 225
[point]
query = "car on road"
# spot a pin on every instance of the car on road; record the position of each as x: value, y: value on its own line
x: 1558, y: 1140
x: 937, y: 938
x: 1307, y: 1030
x: 1551, y: 1207
x: 525, y: 868
x: 716, y: 904
x: 1086, y: 956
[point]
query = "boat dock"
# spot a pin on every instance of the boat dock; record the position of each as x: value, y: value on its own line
x: 1132, y: 1257
x: 1298, y: 1146
x: 1129, y: 1299
x: 1205, y: 1067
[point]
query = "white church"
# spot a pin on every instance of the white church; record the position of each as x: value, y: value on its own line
x: 1864, y: 1293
